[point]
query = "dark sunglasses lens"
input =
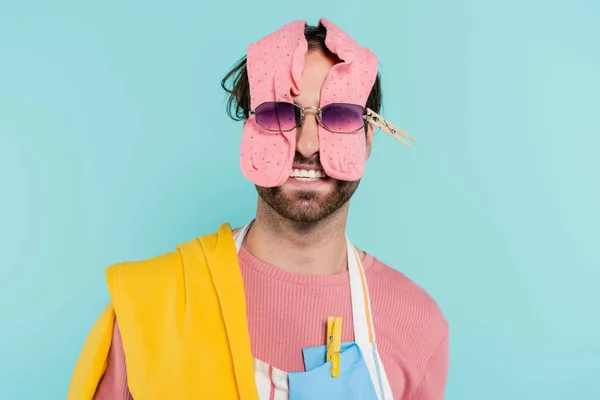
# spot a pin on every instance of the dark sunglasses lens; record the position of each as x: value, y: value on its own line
x: 343, y: 118
x: 277, y: 116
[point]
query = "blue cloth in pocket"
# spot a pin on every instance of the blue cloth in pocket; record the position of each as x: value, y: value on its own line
x: 316, y: 383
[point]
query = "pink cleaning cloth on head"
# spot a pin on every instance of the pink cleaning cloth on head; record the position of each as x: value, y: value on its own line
x: 275, y: 64
x: 343, y: 155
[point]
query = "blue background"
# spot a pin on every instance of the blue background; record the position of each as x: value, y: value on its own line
x: 114, y: 145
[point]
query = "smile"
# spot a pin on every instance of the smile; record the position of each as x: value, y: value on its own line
x: 307, y: 174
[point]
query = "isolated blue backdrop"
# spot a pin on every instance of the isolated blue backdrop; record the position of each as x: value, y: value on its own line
x: 114, y: 145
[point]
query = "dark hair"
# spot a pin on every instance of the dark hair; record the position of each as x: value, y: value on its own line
x: 238, y: 103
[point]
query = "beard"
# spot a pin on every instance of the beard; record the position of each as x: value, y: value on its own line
x: 307, y: 206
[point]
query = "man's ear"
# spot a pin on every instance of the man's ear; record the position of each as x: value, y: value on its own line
x: 370, y: 132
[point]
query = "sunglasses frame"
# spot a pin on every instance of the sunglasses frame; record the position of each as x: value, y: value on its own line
x: 319, y: 111
x: 370, y: 117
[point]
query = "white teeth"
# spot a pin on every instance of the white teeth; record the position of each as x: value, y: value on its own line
x: 307, y: 174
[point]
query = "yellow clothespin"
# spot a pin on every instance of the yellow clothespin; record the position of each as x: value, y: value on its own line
x: 329, y: 338
x: 334, y: 343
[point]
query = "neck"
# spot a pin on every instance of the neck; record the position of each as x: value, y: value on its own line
x: 316, y: 248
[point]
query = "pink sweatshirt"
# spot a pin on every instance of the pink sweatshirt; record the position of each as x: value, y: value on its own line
x: 287, y: 312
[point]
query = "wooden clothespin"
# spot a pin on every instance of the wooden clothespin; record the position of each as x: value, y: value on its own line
x: 377, y: 120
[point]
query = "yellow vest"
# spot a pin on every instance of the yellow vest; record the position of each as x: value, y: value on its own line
x: 182, y: 319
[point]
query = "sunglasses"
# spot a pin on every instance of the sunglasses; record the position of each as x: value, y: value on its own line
x: 281, y: 116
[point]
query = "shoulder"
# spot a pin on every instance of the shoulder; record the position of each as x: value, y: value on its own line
x: 146, y: 268
x: 143, y: 279
x: 403, y: 308
x: 163, y: 277
x: 393, y: 286
x: 152, y: 278
x: 160, y: 266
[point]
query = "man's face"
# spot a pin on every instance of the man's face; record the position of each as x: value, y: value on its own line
x: 309, y: 196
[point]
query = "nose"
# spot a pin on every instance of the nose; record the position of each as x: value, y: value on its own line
x: 307, y: 135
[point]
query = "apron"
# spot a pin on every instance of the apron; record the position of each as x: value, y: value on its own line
x: 362, y: 375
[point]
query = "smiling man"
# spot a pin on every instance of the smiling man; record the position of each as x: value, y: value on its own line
x: 309, y: 196
x: 284, y: 307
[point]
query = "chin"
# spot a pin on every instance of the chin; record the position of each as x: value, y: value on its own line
x: 308, y: 202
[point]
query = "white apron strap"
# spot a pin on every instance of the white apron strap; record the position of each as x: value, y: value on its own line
x: 364, y: 332
x: 240, y: 234
x: 361, y: 304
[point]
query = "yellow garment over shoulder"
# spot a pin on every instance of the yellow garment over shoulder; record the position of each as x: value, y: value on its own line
x: 182, y: 319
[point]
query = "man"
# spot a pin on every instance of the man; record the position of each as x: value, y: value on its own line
x: 284, y: 307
